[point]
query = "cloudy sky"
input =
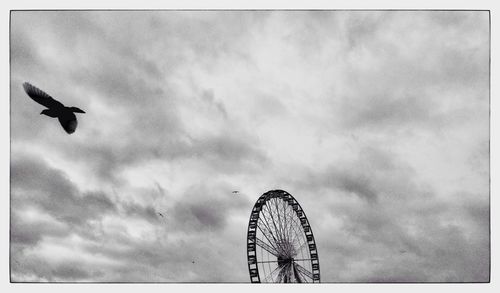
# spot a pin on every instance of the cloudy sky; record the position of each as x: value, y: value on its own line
x: 377, y: 123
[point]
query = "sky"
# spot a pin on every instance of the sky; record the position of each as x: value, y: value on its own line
x: 377, y: 122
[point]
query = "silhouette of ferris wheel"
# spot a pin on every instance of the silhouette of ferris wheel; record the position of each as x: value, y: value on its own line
x: 280, y: 242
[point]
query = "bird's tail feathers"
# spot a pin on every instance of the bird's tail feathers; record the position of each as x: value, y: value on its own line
x: 28, y: 87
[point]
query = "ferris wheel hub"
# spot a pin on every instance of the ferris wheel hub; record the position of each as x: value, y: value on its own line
x: 284, y: 260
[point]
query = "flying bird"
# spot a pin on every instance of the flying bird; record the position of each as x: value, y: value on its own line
x: 235, y: 191
x: 55, y: 109
x: 160, y: 214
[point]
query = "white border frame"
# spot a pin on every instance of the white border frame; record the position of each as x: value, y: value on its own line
x: 8, y: 5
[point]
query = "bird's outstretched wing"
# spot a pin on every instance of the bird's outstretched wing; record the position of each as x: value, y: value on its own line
x: 76, y: 110
x: 68, y: 123
x: 41, y: 97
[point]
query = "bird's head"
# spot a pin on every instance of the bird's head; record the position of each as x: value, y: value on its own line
x: 45, y: 112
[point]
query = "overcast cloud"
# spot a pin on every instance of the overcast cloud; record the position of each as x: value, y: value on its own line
x: 377, y: 123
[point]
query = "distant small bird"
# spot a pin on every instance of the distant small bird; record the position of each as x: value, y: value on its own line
x: 160, y: 214
x: 192, y: 261
x: 55, y: 109
x: 235, y: 191
x: 402, y: 251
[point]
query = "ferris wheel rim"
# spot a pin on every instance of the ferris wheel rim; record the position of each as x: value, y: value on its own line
x: 288, y: 261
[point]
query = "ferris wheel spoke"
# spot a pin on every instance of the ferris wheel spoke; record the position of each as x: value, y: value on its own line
x: 275, y: 228
x: 266, y: 225
x: 301, y: 246
x: 268, y: 228
x: 296, y: 274
x: 282, y: 217
x: 303, y: 271
x: 287, y: 249
x: 299, y: 274
x: 266, y: 215
x: 270, y: 276
x: 298, y: 240
x: 273, y: 216
x: 279, y: 239
x: 295, y: 236
x: 302, y: 259
x: 280, y: 223
x: 285, y: 222
x: 284, y: 273
x: 267, y: 261
x: 267, y: 247
x: 298, y: 233
x: 293, y: 221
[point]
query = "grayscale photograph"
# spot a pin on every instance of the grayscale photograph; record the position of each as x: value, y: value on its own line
x: 249, y: 146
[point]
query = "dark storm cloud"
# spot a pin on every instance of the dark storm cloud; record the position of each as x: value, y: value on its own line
x: 450, y: 255
x: 200, y: 215
x: 387, y: 111
x: 28, y: 233
x: 233, y: 148
x: 21, y: 48
x: 31, y: 173
x: 135, y: 252
x: 148, y: 213
x: 205, y: 209
x: 202, y: 209
x: 210, y: 38
x: 62, y: 272
x: 479, y: 212
x: 208, y: 96
x: 359, y: 184
x: 395, y: 242
x: 49, y: 189
x: 36, y: 185
x: 224, y: 152
x: 411, y: 238
x: 361, y: 27
x: 374, y: 173
x: 143, y: 261
x: 50, y: 194
x: 72, y: 272
x: 194, y: 216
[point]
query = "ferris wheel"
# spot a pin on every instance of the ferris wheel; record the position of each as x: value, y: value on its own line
x: 280, y: 242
